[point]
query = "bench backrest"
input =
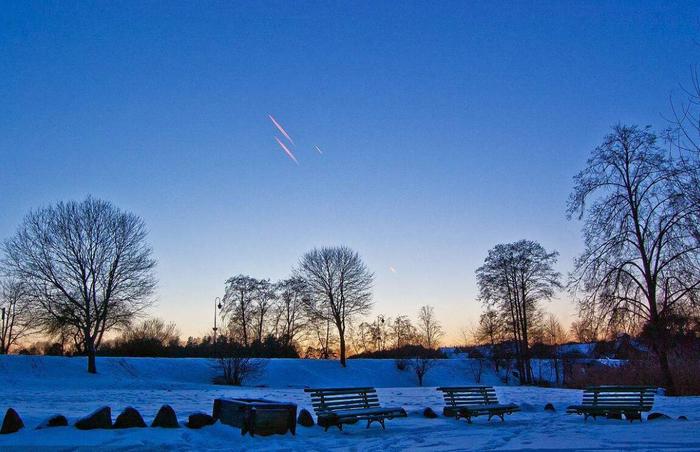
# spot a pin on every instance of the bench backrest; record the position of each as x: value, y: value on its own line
x: 622, y: 396
x: 325, y: 400
x: 456, y: 396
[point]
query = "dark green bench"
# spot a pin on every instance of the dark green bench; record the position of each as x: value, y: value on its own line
x: 338, y: 406
x: 473, y: 401
x: 614, y: 401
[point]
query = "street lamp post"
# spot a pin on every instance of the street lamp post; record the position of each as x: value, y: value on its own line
x: 2, y: 331
x: 217, y: 305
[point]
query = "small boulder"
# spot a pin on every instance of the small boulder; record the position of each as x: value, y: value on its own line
x: 199, y: 420
x: 528, y: 407
x: 98, y: 419
x: 305, y: 419
x: 57, y: 420
x: 657, y: 417
x: 682, y: 418
x: 429, y: 413
x: 129, y: 418
x: 12, y: 422
x: 549, y: 407
x: 165, y: 418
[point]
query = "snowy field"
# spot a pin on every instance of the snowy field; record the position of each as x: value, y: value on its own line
x: 38, y: 387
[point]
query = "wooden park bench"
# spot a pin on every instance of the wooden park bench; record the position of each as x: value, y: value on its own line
x: 338, y: 406
x: 473, y: 401
x: 614, y: 401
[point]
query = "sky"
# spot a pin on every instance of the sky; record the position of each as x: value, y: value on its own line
x: 446, y: 128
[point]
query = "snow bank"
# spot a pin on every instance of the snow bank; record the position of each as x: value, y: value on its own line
x: 38, y: 387
x: 126, y: 373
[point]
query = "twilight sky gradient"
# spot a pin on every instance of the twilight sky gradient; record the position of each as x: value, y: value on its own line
x: 446, y: 127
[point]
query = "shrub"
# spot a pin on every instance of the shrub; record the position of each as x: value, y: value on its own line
x: 407, y: 351
x: 402, y: 363
x: 637, y: 372
x: 477, y: 368
x: 235, y: 370
x: 421, y: 366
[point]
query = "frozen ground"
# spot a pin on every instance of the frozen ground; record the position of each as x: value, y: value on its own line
x: 38, y: 387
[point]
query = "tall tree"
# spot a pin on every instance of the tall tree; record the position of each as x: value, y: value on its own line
x: 290, y: 309
x: 490, y: 329
x: 87, y: 267
x: 403, y: 332
x: 238, y: 305
x: 554, y: 335
x: 15, y: 309
x: 339, y: 285
x: 515, y: 277
x: 641, y: 253
x: 429, y: 327
x: 265, y: 297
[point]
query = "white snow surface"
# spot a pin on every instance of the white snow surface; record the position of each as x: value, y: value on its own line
x: 38, y: 387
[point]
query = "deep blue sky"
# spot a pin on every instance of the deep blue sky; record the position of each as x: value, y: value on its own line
x: 447, y: 127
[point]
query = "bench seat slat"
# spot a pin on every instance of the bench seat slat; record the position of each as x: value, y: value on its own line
x: 331, y: 391
x: 365, y: 412
x: 344, y: 399
x: 492, y: 407
x: 344, y: 407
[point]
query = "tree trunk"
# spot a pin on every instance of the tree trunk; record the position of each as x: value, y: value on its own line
x: 342, y: 348
x: 660, y: 345
x: 666, y: 371
x: 90, y: 350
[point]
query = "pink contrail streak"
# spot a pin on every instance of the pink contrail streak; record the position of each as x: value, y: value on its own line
x: 281, y: 129
x: 287, y: 151
x: 318, y: 149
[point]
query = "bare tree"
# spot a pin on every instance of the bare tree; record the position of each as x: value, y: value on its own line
x: 421, y: 366
x: 554, y: 335
x: 153, y: 329
x: 86, y: 265
x: 238, y: 306
x: 339, y: 285
x: 403, y: 332
x: 429, y: 327
x: 264, y: 297
x: 476, y: 367
x: 237, y: 367
x: 585, y: 330
x: 15, y: 307
x: 290, y: 309
x: 641, y: 252
x: 490, y: 329
x: 325, y: 338
x: 363, y: 338
x: 515, y: 277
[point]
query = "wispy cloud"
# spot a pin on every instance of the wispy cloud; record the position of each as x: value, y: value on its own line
x: 318, y: 149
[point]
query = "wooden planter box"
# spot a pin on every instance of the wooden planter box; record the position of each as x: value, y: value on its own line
x: 257, y: 416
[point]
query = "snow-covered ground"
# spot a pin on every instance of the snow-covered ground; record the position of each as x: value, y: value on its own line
x: 38, y: 387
